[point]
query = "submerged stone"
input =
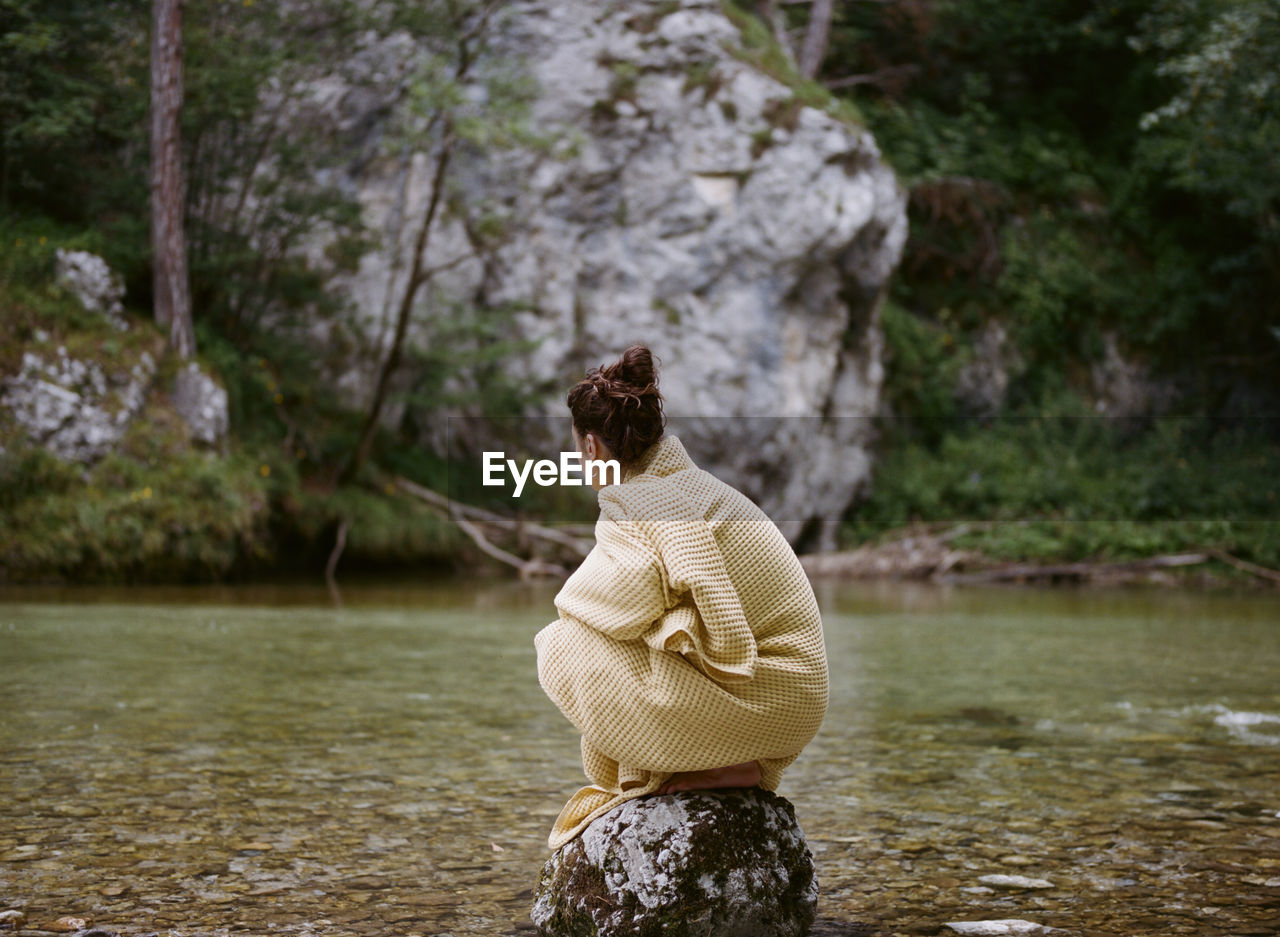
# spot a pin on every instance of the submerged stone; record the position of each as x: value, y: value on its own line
x: 1008, y: 926
x: 1015, y: 881
x: 731, y: 863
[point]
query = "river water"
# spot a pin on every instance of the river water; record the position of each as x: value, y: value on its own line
x: 260, y: 760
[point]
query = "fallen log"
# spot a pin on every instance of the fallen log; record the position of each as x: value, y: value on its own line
x: 477, y: 523
x: 1078, y: 570
x: 1262, y: 572
x: 528, y: 569
x: 571, y: 536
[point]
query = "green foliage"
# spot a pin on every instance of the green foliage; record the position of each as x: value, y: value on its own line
x: 28, y: 250
x: 263, y: 167
x: 921, y: 367
x: 262, y: 183
x: 1078, y: 168
x: 1075, y: 167
x: 925, y: 142
x: 1223, y: 121
x: 64, y: 68
x: 760, y: 49
x: 1077, y: 486
x: 1051, y: 541
x: 384, y: 527
x: 190, y: 517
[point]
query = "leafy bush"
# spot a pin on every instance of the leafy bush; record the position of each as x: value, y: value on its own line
x: 123, y: 520
x: 1073, y: 485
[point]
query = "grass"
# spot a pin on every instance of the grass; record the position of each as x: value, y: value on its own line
x: 156, y: 508
x: 190, y: 517
x: 1078, y: 487
x: 761, y: 50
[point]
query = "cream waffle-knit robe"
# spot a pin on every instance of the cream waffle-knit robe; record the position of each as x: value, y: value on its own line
x: 688, y: 639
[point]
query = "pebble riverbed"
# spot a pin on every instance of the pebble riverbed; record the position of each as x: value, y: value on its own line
x: 259, y: 761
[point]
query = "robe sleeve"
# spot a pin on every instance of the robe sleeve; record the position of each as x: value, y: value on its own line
x: 659, y: 550
x: 659, y: 576
x: 620, y: 589
x: 705, y: 622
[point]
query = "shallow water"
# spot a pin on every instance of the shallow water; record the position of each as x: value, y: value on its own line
x: 256, y: 760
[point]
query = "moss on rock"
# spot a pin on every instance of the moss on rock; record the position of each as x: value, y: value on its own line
x: 728, y: 863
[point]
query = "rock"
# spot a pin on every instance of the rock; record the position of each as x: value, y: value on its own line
x: 997, y: 928
x: 201, y: 403
x: 1015, y: 881
x: 12, y: 920
x: 93, y: 283
x: 983, y: 382
x: 713, y: 863
x: 746, y: 238
x: 1124, y: 388
x: 76, y: 409
x: 66, y: 925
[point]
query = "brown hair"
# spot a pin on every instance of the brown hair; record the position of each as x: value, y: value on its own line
x: 621, y: 404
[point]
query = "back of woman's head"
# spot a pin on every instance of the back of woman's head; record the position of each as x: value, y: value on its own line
x: 621, y: 404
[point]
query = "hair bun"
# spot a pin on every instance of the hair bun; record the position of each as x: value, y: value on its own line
x: 621, y: 402
x: 634, y: 370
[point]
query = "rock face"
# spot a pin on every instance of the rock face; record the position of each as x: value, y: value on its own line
x: 93, y: 283
x: 201, y: 403
x: 689, y: 202
x: 1124, y: 388
x: 75, y: 408
x: 80, y: 409
x: 711, y: 863
x: 982, y: 384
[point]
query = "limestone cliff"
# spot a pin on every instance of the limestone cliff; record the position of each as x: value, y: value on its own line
x: 691, y: 203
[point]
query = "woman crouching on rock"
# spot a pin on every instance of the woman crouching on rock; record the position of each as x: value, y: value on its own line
x: 689, y: 648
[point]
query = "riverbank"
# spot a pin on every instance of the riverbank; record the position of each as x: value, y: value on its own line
x: 951, y: 554
x: 1188, y: 506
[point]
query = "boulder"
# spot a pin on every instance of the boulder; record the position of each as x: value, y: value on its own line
x: 691, y: 201
x: 87, y: 277
x: 1124, y: 388
x: 983, y: 382
x: 730, y: 863
x: 75, y: 408
x: 201, y: 403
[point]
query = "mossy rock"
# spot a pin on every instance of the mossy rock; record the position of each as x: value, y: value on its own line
x: 730, y: 863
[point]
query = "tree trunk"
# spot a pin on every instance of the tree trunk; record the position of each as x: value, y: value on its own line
x: 168, y: 245
x: 419, y: 273
x: 816, y: 38
x: 417, y: 277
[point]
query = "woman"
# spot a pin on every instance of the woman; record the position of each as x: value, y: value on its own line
x: 689, y: 647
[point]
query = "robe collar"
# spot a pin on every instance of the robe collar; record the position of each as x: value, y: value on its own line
x: 665, y: 457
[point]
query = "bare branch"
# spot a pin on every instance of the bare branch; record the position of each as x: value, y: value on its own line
x: 528, y: 568
x: 881, y: 77
x: 1244, y: 565
x: 339, y: 544
x: 455, y: 509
